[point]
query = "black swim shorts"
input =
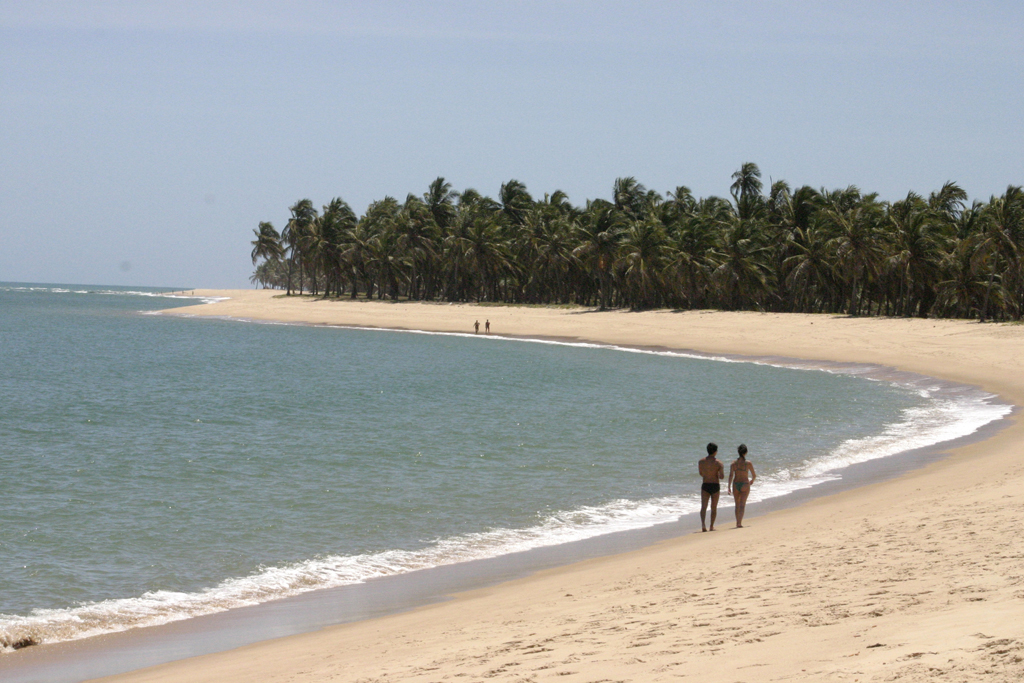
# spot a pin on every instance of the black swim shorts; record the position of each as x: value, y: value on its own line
x: 711, y: 487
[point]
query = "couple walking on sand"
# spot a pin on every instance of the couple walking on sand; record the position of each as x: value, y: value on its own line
x: 741, y: 476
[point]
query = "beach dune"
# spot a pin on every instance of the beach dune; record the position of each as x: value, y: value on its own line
x: 917, y: 578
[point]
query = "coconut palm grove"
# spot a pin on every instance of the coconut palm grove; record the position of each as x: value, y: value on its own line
x: 799, y: 250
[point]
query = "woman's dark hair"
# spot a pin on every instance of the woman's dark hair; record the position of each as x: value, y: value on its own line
x: 742, y: 450
x: 712, y: 448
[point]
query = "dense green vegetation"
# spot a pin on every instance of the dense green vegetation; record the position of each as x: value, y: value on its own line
x: 837, y: 251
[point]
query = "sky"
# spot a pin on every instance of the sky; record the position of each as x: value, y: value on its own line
x: 142, y: 142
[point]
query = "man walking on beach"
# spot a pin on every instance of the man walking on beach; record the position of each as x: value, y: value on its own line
x: 712, y: 472
x: 476, y: 327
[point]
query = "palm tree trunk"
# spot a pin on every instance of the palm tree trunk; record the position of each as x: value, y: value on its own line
x: 988, y: 289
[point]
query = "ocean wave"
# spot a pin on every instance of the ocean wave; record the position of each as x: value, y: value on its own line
x: 944, y: 419
x: 941, y: 420
x: 272, y: 583
x: 72, y: 289
x: 203, y: 299
x: 951, y: 412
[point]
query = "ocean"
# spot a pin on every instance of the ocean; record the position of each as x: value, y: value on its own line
x: 156, y: 468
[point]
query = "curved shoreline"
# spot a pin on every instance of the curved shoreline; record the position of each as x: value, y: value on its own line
x: 709, y: 332
x: 579, y: 548
x: 869, y: 371
x: 990, y: 377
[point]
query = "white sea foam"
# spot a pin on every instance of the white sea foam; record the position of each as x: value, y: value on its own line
x: 272, y: 583
x: 941, y: 420
x: 115, y: 292
x: 203, y: 299
x: 110, y: 292
x: 951, y: 412
x: 200, y: 299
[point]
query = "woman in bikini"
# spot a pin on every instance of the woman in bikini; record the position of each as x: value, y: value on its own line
x: 741, y: 476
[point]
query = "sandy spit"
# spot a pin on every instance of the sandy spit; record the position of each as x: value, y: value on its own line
x: 916, y: 579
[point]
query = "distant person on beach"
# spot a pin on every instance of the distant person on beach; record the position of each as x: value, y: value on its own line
x: 712, y: 472
x: 476, y: 327
x: 487, y: 326
x: 741, y: 476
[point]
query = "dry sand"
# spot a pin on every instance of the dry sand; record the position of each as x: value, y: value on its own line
x: 913, y: 579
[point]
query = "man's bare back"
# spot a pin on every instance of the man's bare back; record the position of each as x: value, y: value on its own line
x: 712, y: 472
x: 711, y: 469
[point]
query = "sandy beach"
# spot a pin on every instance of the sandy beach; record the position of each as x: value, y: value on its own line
x: 913, y: 579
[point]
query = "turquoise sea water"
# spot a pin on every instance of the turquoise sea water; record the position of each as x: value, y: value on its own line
x: 154, y: 468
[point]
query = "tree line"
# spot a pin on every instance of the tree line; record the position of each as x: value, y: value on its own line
x: 802, y: 250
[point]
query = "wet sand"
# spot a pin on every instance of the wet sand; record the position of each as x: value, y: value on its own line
x: 915, y: 578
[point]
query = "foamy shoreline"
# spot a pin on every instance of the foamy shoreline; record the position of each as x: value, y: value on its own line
x: 959, y: 398
x: 955, y: 415
x: 988, y: 356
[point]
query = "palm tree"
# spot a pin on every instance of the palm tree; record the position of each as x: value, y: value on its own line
x: 630, y: 197
x: 381, y: 262
x: 294, y: 234
x: 746, y: 190
x: 387, y: 262
x: 419, y: 240
x: 270, y: 273
x: 1012, y: 208
x: 965, y: 287
x: 474, y: 249
x: 516, y: 202
x: 543, y: 248
x: 948, y: 203
x: 331, y: 231
x: 788, y: 215
x: 440, y: 201
x: 690, y: 253
x: 999, y: 244
x: 805, y: 250
x: 811, y: 269
x: 855, y: 240
x: 640, y: 262
x: 918, y: 248
x: 267, y: 244
x: 742, y: 271
x: 598, y: 234
x: 679, y: 202
x: 487, y: 254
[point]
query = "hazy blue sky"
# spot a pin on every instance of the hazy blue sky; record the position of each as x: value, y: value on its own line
x: 141, y: 142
